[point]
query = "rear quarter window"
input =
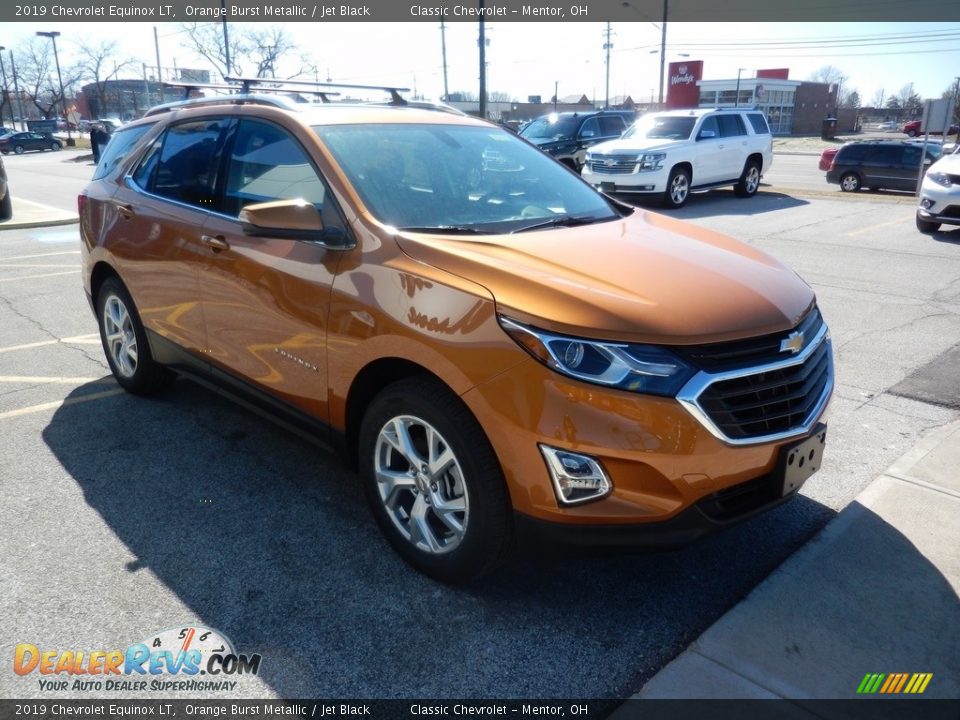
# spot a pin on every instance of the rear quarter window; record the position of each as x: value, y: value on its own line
x: 851, y: 153
x: 759, y: 123
x: 121, y: 142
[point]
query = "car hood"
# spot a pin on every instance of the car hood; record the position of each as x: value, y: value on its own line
x: 643, y: 278
x: 948, y: 164
x: 634, y: 145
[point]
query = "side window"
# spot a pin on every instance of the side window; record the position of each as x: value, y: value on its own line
x: 731, y: 125
x: 709, y: 125
x: 611, y: 125
x: 759, y: 123
x: 188, y: 162
x: 884, y: 154
x: 853, y: 153
x: 590, y: 128
x: 143, y: 174
x: 911, y: 156
x: 268, y: 164
x: 118, y: 148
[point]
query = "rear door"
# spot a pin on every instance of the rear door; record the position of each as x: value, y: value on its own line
x: 883, y: 166
x: 161, y: 208
x: 266, y: 296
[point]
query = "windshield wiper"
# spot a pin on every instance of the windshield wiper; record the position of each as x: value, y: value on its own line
x: 446, y: 230
x: 565, y: 221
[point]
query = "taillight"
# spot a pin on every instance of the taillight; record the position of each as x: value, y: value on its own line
x: 81, y: 203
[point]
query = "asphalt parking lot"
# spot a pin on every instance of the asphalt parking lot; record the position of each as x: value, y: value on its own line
x: 123, y: 517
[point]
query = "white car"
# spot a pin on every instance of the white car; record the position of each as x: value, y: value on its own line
x: 939, y: 202
x: 673, y: 153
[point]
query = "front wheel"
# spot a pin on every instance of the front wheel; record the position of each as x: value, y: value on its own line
x: 850, y: 182
x: 433, y: 482
x: 125, y: 341
x: 926, y: 226
x: 749, y: 180
x: 678, y: 189
x: 54, y: 146
x: 18, y: 149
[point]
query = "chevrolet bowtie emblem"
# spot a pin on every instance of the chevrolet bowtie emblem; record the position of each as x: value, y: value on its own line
x: 793, y: 343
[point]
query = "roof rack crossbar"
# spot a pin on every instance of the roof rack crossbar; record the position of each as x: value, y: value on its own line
x: 248, y: 83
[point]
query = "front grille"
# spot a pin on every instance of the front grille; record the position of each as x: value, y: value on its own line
x: 770, y: 402
x: 752, y: 351
x: 614, y: 164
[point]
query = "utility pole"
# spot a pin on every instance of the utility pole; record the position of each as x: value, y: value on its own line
x: 663, y: 48
x: 226, y: 39
x: 606, y: 46
x: 443, y: 50
x: 6, y: 93
x: 156, y: 47
x: 483, y: 64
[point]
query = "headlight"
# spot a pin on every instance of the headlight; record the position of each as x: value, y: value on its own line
x: 589, y: 157
x: 940, y: 178
x: 638, y: 368
x: 652, y: 161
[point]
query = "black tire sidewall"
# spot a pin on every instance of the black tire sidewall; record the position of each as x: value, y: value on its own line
x: 488, y: 528
x: 6, y: 206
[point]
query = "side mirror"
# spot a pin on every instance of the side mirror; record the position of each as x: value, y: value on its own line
x: 291, y: 219
x: 706, y: 134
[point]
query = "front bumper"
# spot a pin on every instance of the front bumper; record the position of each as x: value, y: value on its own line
x: 639, y: 183
x: 939, y: 204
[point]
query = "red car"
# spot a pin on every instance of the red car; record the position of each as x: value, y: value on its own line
x: 826, y: 158
x: 912, y: 129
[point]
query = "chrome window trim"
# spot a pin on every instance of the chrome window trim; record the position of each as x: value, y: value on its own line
x: 690, y: 393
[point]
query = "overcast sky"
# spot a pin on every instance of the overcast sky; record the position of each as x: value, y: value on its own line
x: 527, y: 58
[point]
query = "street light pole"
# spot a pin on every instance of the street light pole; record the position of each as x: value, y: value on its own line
x: 663, y: 49
x: 736, y: 99
x: 53, y: 35
x: 6, y: 93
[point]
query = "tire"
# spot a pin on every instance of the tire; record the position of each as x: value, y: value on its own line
x: 850, y: 182
x: 125, y: 342
x: 473, y: 532
x: 55, y: 146
x: 678, y: 188
x: 927, y: 227
x: 6, y: 206
x: 911, y: 133
x: 18, y: 149
x: 749, y: 181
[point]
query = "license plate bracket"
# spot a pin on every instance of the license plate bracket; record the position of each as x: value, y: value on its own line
x: 800, y: 460
x: 608, y: 187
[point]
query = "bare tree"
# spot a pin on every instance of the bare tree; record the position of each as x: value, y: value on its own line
x: 95, y: 63
x: 851, y: 99
x: 37, y: 73
x: 498, y: 96
x: 263, y: 47
x: 827, y: 74
x: 909, y: 99
x: 877, y: 100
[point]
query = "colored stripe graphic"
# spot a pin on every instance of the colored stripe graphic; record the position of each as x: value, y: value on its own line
x: 894, y: 683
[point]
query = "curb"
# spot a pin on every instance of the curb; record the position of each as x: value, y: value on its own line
x: 29, y: 214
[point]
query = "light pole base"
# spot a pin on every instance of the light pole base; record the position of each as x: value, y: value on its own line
x: 71, y: 142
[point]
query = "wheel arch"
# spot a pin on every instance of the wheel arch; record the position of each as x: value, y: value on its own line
x: 101, y: 271
x: 685, y: 165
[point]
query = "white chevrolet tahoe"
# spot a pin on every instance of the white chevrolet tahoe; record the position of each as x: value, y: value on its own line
x: 673, y: 153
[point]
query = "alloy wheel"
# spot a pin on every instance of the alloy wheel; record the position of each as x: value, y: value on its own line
x: 121, y: 339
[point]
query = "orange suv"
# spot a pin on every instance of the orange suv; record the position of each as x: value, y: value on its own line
x: 504, y: 353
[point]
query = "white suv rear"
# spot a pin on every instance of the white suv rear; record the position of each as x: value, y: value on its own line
x: 672, y: 153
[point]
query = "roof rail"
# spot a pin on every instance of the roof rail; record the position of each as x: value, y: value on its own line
x: 247, y: 84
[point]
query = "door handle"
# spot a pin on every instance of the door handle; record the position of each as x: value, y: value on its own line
x: 125, y: 211
x: 216, y: 243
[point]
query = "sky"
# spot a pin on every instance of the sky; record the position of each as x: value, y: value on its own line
x: 529, y: 58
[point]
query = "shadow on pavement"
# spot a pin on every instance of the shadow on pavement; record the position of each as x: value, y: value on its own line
x: 714, y: 202
x: 267, y: 539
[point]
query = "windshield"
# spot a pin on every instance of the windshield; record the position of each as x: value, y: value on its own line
x: 662, y: 126
x: 455, y: 178
x: 553, y: 127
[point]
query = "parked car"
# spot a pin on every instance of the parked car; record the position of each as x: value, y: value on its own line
x: 826, y: 158
x: 21, y: 142
x: 887, y: 125
x: 939, y: 200
x: 6, y: 204
x: 503, y: 355
x: 670, y: 154
x: 567, y: 135
x: 879, y: 164
x: 913, y: 128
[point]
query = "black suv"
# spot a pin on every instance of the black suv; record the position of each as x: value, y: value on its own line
x: 567, y: 135
x: 892, y: 164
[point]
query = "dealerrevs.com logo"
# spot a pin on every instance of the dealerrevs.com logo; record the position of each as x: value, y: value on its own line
x: 170, y: 660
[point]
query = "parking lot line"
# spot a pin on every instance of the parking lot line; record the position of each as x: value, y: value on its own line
x: 871, y: 228
x: 35, y: 265
x: 89, y: 339
x: 37, y: 379
x: 42, y: 255
x: 61, y: 403
x: 44, y: 275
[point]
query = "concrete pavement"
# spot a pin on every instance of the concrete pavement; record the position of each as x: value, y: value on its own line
x: 875, y: 592
x: 29, y: 214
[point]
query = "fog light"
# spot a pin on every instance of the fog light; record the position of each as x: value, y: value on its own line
x: 576, y: 478
x: 926, y: 203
